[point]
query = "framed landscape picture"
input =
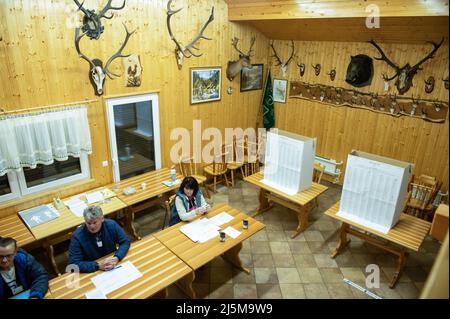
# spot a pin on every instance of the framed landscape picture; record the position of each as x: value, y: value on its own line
x: 206, y: 84
x: 279, y: 90
x: 252, y: 78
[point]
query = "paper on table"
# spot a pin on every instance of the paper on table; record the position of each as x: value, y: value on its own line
x: 221, y: 218
x: 116, y: 278
x: 170, y: 183
x: 95, y: 294
x: 78, y: 209
x: 232, y: 232
x: 200, y: 230
x: 94, y: 197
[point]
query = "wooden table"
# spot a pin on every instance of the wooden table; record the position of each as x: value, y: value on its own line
x: 155, y: 193
x: 196, y: 255
x: 12, y: 226
x: 408, y: 233
x: 299, y: 202
x: 158, y: 265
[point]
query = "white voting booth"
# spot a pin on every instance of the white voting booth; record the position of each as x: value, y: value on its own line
x: 289, y: 161
x: 374, y: 190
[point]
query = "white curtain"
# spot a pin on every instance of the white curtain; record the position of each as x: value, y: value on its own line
x: 40, y: 138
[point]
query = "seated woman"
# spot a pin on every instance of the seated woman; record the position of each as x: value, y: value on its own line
x: 189, y: 202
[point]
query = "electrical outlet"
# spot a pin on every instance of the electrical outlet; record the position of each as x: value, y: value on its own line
x: 105, y: 163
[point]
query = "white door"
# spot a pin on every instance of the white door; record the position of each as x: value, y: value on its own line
x: 133, y: 123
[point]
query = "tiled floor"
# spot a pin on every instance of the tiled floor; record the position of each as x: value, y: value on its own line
x: 282, y: 267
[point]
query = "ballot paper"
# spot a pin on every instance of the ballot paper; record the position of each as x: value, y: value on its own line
x: 94, y: 197
x: 116, y: 278
x: 200, y: 230
x: 95, y: 294
x: 232, y: 232
x: 221, y: 218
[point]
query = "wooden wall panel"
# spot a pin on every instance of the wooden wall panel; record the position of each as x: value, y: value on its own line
x: 341, y: 129
x: 39, y: 66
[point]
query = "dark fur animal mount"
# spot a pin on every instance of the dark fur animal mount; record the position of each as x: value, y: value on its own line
x: 429, y: 84
x: 359, y: 71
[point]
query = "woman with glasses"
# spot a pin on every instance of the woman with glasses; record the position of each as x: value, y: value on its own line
x: 20, y: 272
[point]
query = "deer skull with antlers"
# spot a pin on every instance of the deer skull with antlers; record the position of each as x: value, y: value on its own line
x: 98, y: 72
x: 92, y: 25
x: 186, y: 51
x: 284, y: 65
x: 234, y: 67
x: 406, y: 73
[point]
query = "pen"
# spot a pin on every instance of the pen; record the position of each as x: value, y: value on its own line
x: 115, y: 268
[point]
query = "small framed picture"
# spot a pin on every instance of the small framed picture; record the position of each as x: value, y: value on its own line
x: 279, y: 90
x: 205, y: 84
x: 252, y: 78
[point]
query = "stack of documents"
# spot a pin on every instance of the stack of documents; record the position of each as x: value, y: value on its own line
x: 170, y: 183
x: 221, y: 218
x: 114, y: 279
x: 200, y: 230
x: 76, y: 206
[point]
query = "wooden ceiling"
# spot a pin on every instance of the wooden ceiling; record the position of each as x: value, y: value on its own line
x: 401, y: 21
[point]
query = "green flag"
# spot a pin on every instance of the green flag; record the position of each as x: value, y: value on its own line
x: 267, y: 104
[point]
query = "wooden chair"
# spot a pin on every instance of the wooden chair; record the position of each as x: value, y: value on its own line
x: 168, y: 206
x: 49, y: 244
x: 252, y: 163
x: 423, y: 192
x: 188, y: 168
x: 318, y: 171
x: 216, y: 169
x: 237, y: 149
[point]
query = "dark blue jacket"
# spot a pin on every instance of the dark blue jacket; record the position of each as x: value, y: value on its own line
x: 83, y: 249
x: 174, y: 217
x: 29, y: 274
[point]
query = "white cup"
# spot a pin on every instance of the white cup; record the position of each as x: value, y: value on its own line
x: 144, y: 186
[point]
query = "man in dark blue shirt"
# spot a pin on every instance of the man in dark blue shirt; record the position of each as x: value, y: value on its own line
x: 96, y: 238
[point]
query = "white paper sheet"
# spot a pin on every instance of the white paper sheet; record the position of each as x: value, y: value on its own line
x: 221, y: 218
x: 78, y: 209
x: 114, y: 279
x: 95, y: 294
x: 73, y: 201
x: 232, y: 232
x: 94, y: 197
x: 200, y: 230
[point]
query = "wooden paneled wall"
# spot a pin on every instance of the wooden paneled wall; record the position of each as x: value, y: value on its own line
x: 341, y: 129
x: 39, y: 66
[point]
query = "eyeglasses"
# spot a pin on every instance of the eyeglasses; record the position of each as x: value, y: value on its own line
x: 10, y: 256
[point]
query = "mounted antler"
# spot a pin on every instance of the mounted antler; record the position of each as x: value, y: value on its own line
x: 180, y: 50
x: 406, y: 73
x: 92, y: 25
x: 234, y: 67
x: 284, y: 65
x: 98, y: 72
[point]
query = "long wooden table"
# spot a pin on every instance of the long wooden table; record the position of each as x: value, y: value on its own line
x: 12, y: 226
x: 196, y: 255
x: 299, y: 202
x: 408, y: 233
x: 155, y: 193
x: 158, y: 265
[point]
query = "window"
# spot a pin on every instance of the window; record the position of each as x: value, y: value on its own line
x: 134, y: 135
x: 43, y: 177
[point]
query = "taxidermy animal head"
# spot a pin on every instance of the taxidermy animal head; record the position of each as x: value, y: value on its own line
x: 186, y: 51
x: 235, y: 67
x: 359, y: 71
x: 429, y: 84
x: 317, y: 68
x: 284, y: 65
x: 98, y: 72
x: 332, y: 74
x: 92, y: 25
x: 406, y: 73
x: 445, y: 82
x: 302, y: 68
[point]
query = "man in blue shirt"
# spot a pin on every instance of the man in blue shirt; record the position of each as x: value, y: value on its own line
x: 19, y: 272
x: 96, y: 238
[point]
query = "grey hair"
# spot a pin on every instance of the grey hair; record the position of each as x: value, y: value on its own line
x: 92, y: 212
